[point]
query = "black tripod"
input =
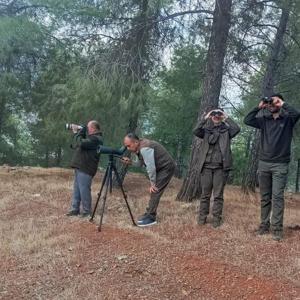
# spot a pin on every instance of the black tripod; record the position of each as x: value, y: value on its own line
x: 107, y: 182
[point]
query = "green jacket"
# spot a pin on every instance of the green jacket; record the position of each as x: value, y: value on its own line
x: 85, y: 157
x: 227, y: 130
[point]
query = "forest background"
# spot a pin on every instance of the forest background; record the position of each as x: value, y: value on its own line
x: 149, y: 66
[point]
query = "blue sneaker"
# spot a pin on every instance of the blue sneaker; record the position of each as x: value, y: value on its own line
x: 142, y: 217
x: 147, y: 221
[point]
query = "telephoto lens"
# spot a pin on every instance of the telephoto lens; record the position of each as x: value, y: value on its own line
x: 70, y: 126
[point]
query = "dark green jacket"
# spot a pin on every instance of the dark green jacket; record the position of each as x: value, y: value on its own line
x: 85, y: 157
x: 228, y: 130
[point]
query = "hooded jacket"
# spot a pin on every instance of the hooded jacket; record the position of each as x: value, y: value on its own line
x: 223, y: 133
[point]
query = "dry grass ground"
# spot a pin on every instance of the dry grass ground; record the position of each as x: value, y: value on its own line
x: 46, y: 255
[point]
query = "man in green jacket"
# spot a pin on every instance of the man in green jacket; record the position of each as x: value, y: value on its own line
x: 216, y: 130
x: 85, y: 162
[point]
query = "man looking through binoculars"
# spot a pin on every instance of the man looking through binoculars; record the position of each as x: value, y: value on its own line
x: 276, y: 120
x: 216, y: 130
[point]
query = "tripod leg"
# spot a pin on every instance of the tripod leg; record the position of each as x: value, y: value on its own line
x: 124, y: 194
x: 108, y: 184
x: 99, y: 195
x: 111, y: 180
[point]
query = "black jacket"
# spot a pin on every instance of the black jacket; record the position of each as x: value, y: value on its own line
x: 85, y: 157
x: 276, y: 134
x: 228, y: 130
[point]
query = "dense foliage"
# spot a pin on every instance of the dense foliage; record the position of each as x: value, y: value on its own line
x: 134, y: 66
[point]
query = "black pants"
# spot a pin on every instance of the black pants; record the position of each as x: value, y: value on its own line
x: 163, y: 178
x: 212, y: 181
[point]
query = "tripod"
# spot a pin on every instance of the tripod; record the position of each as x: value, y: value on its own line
x: 107, y: 182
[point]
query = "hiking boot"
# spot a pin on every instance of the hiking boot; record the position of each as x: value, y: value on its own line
x: 72, y: 213
x: 216, y: 222
x: 201, y: 220
x: 277, y: 235
x: 147, y: 221
x: 263, y: 230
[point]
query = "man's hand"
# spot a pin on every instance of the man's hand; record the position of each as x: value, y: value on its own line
x: 277, y: 102
x: 225, y: 116
x: 126, y: 160
x: 153, y: 188
x: 207, y: 116
x: 75, y: 128
x: 262, y: 105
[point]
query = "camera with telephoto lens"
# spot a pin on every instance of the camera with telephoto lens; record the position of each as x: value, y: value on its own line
x: 70, y: 126
x: 267, y: 100
x: 216, y: 113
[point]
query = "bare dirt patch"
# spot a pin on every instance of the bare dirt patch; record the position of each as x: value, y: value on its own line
x: 45, y: 255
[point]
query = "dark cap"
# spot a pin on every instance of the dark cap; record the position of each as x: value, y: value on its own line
x: 278, y: 95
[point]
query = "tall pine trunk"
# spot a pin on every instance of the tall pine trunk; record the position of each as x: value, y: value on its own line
x: 179, y: 158
x: 191, y: 187
x: 58, y: 156
x: 136, y: 44
x: 297, y: 176
x: 250, y: 175
x: 47, y: 157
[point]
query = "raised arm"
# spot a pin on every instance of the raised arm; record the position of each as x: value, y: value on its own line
x: 293, y: 113
x: 199, y: 129
x: 234, y: 128
x: 252, y: 120
x: 90, y: 143
x: 87, y: 142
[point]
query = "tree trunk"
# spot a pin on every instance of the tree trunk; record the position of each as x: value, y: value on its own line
x: 58, y: 156
x: 191, y: 187
x: 248, y: 145
x: 136, y: 45
x: 250, y: 175
x: 297, y: 176
x: 179, y: 159
x: 47, y: 156
x: 2, y: 110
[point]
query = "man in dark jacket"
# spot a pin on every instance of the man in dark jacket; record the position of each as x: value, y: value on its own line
x: 276, y: 120
x: 85, y: 162
x: 216, y: 131
x: 160, y: 167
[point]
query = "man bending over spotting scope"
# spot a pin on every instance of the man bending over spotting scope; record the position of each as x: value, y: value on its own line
x: 160, y: 168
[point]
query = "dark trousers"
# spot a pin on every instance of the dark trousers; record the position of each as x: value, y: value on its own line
x: 272, y: 182
x: 163, y: 178
x: 212, y: 181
